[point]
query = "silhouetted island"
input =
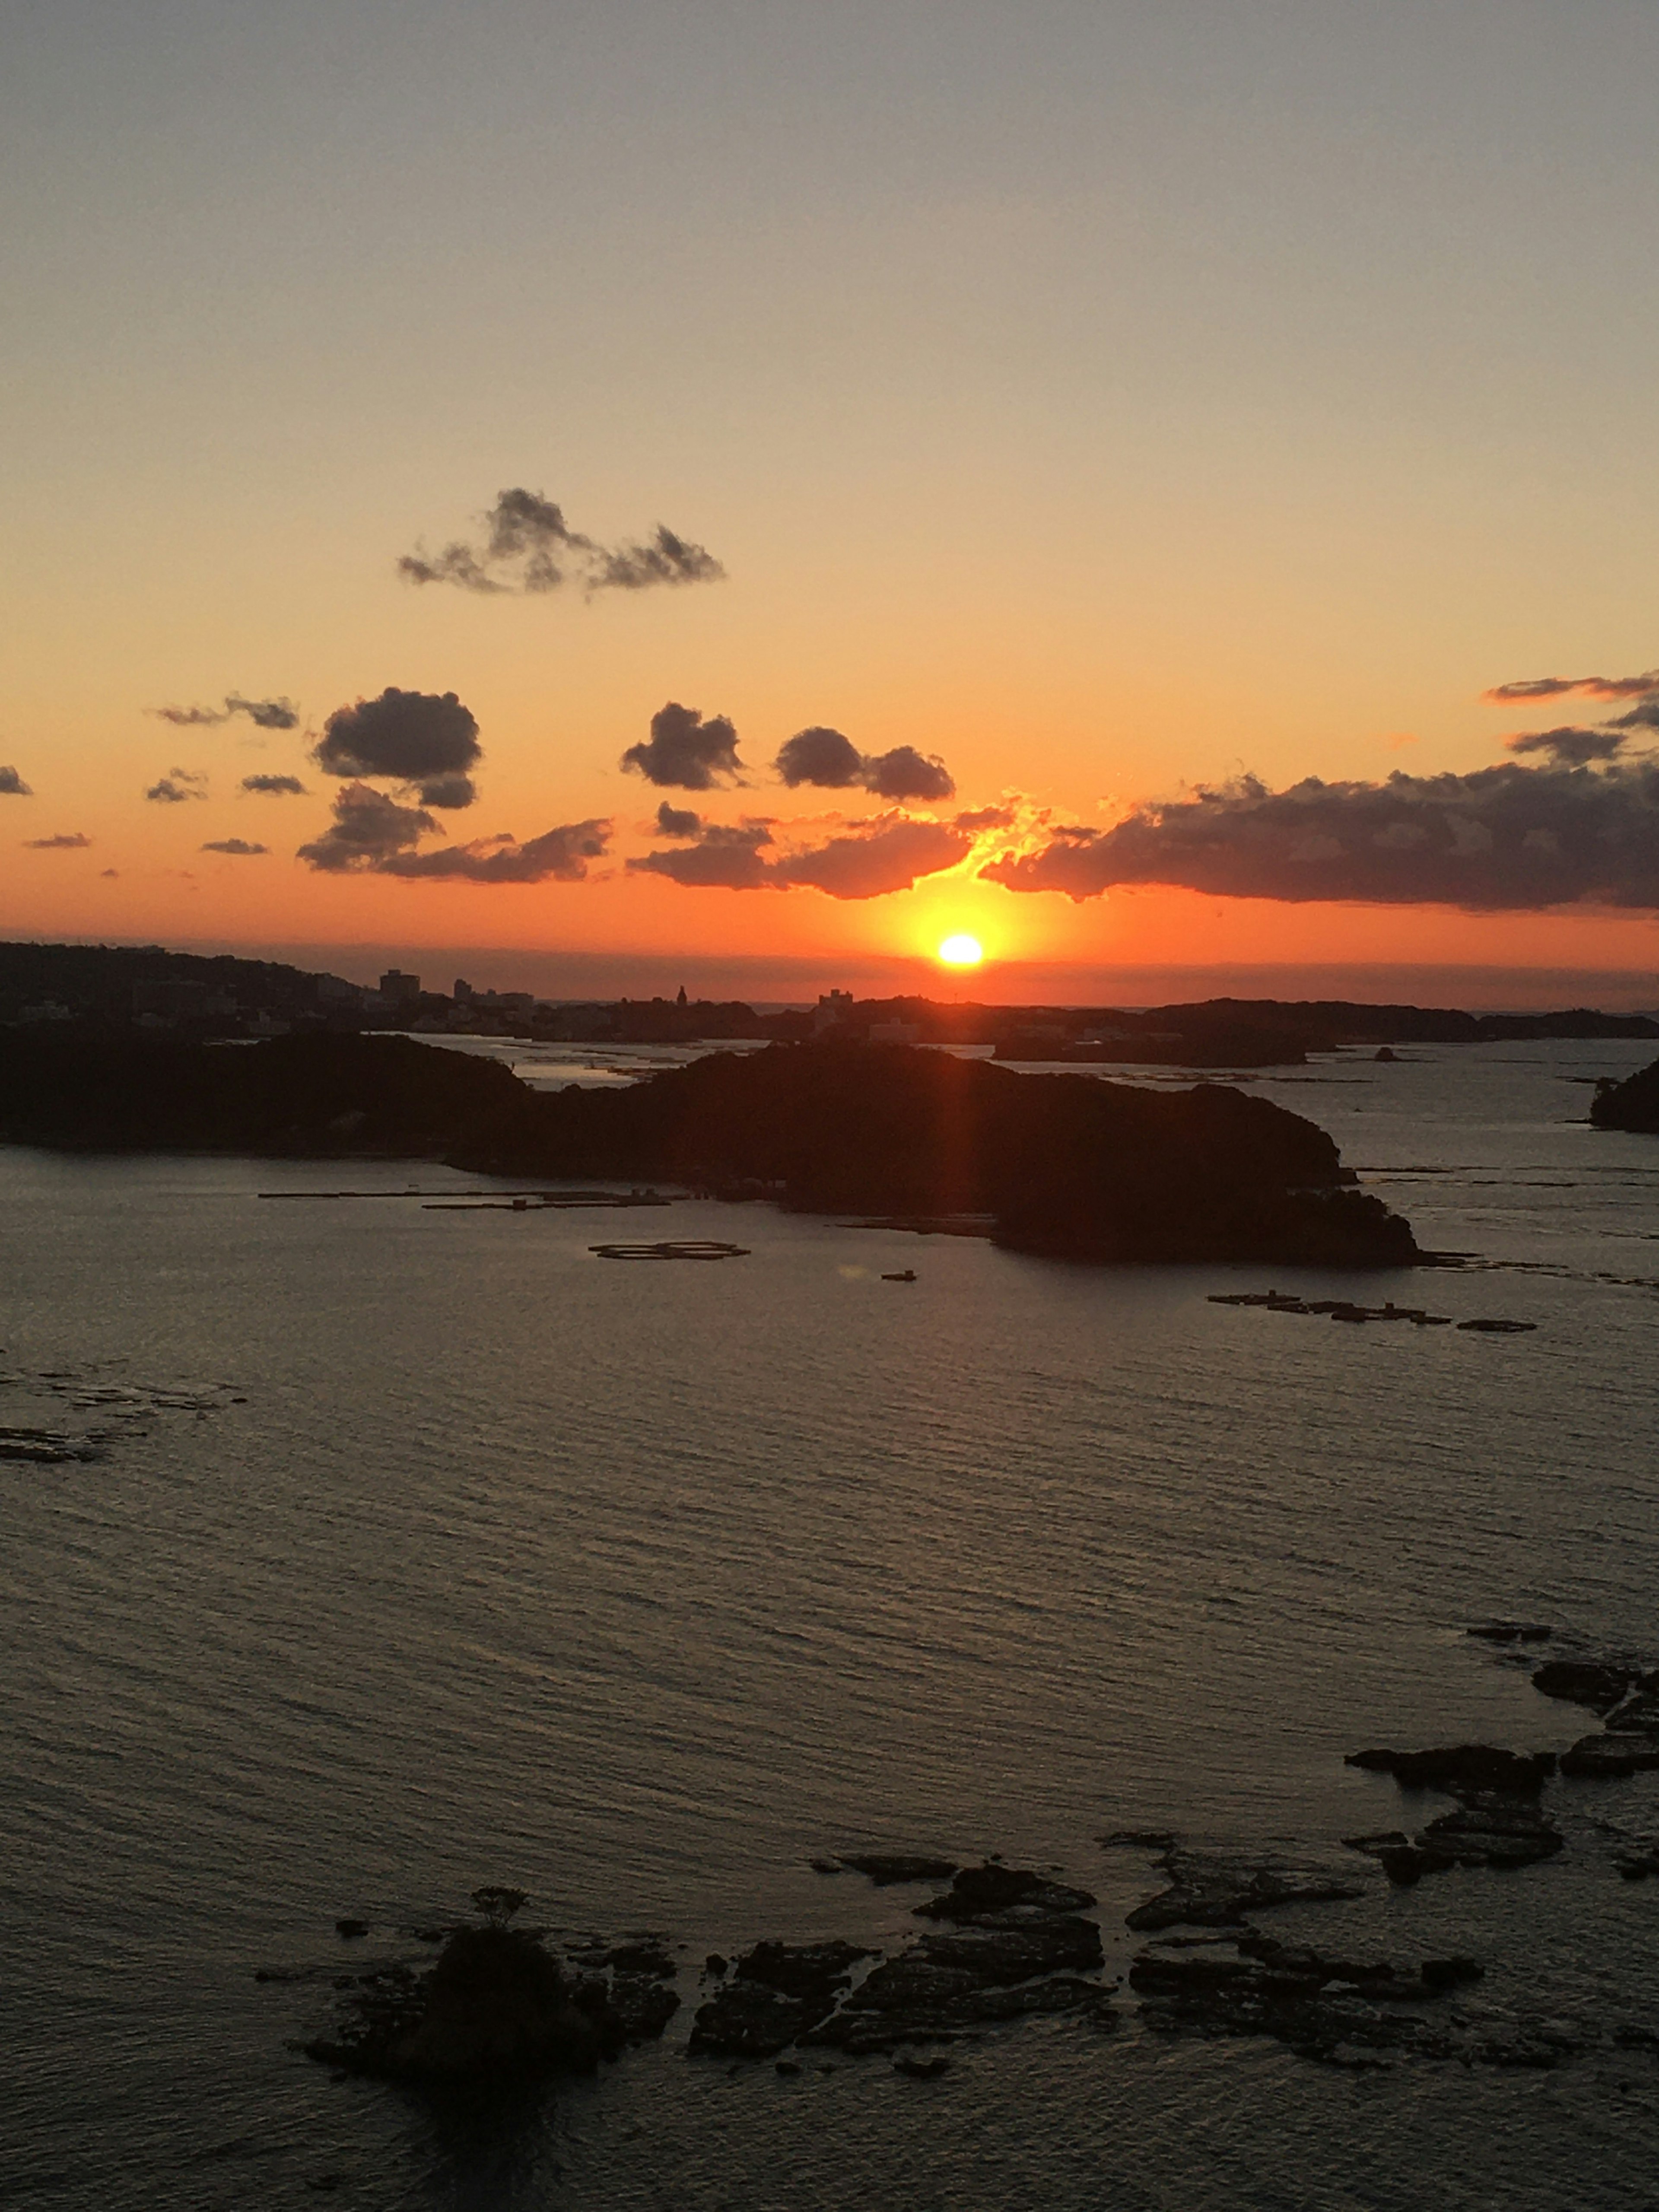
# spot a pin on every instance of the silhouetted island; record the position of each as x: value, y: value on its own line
x: 1632, y: 1104
x: 1063, y: 1164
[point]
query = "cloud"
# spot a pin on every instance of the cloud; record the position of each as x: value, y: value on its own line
x: 367, y: 830
x: 987, y: 817
x: 177, y: 785
x: 677, y: 821
x: 274, y: 786
x: 1592, y: 687
x: 905, y: 773
x: 879, y: 861
x: 1506, y: 838
x: 686, y: 752
x: 530, y: 549
x: 558, y: 855
x: 372, y: 834
x: 238, y: 846
x: 819, y: 757
x: 833, y: 763
x: 425, y: 739
x: 264, y: 714
x: 74, y: 843
x: 12, y: 784
x: 1570, y: 746
x: 869, y: 863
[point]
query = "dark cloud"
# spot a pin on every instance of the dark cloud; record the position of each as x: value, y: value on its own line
x: 558, y: 855
x: 109, y: 871
x: 74, y: 843
x: 686, y: 752
x: 1592, y: 687
x: 424, y: 738
x: 367, y: 828
x: 529, y: 548
x: 833, y: 763
x: 372, y: 834
x: 987, y: 817
x: 12, y: 784
x: 905, y: 773
x: 677, y: 821
x: 264, y: 713
x: 820, y: 757
x: 238, y: 846
x: 887, y: 858
x: 723, y: 859
x: 1643, y: 717
x: 274, y: 786
x: 665, y: 558
x: 868, y: 863
x: 1571, y: 746
x: 1509, y: 837
x: 177, y: 785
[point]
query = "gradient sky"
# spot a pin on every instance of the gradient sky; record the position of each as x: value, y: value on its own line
x: 1108, y: 399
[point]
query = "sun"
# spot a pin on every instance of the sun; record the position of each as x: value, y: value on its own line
x: 962, y: 951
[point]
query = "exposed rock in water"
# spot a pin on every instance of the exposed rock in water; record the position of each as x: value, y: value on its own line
x: 885, y: 1867
x: 1208, y: 1891
x: 1512, y: 1632
x: 1610, y: 1758
x: 981, y: 1890
x: 1600, y: 1684
x: 1492, y: 1831
x: 1457, y: 1768
x: 777, y: 1992
x: 495, y: 2006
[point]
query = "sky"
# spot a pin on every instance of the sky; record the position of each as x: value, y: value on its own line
x: 741, y: 491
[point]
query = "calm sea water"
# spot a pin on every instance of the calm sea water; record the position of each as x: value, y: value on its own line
x: 427, y: 1549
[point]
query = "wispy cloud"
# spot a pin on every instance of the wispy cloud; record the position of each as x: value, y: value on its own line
x: 1558, y: 686
x: 12, y: 784
x: 529, y: 548
x: 75, y: 842
x: 238, y: 847
x: 274, y: 786
x: 373, y: 835
x: 264, y: 714
x: 177, y: 785
x: 869, y: 861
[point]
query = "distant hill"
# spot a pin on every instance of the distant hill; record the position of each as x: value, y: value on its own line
x: 97, y: 982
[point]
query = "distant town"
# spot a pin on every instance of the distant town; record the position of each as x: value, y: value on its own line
x: 197, y: 997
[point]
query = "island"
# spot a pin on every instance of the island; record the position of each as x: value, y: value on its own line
x: 1066, y: 1165
x: 1632, y: 1104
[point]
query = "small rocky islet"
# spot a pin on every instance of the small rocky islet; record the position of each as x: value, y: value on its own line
x: 1000, y: 1943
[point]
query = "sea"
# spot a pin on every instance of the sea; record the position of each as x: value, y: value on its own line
x: 377, y: 1547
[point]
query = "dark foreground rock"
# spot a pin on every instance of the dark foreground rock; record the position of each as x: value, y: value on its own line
x: 1207, y: 1890
x: 495, y: 2006
x: 1463, y: 1767
x: 777, y: 1991
x: 980, y: 1892
x: 885, y: 1867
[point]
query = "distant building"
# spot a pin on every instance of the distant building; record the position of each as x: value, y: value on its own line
x: 895, y: 1033
x: 462, y: 991
x: 833, y: 1006
x: 680, y: 1001
x: 399, y: 989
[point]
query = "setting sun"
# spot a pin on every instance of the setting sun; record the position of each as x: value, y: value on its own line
x: 962, y: 952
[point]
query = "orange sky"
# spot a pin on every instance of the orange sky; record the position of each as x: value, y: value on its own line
x: 1128, y: 403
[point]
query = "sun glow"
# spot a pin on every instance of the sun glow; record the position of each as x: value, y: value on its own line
x: 962, y: 951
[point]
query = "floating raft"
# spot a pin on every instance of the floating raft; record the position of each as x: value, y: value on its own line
x: 1345, y: 1309
x: 694, y: 1249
